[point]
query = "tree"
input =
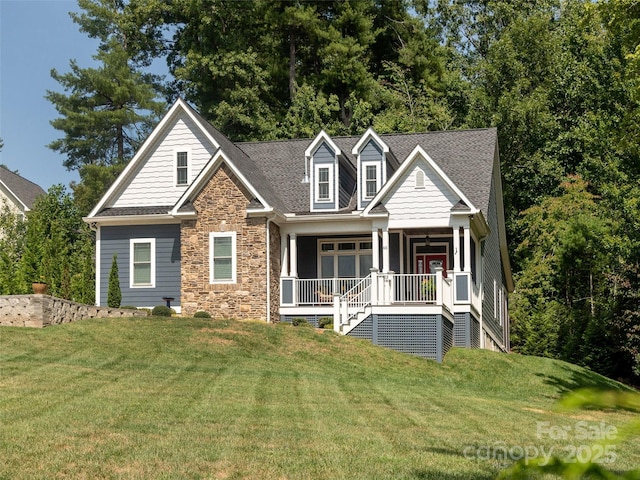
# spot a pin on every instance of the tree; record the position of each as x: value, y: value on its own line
x: 106, y: 114
x: 107, y: 111
x: 562, y: 308
x: 58, y: 248
x: 114, y: 294
x: 243, y: 64
x: 12, y: 231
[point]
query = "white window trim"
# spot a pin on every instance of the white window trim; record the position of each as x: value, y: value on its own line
x: 336, y: 253
x: 316, y: 171
x: 234, y: 257
x: 133, y: 242
x: 175, y: 166
x: 495, y: 298
x: 364, y: 178
x: 419, y: 185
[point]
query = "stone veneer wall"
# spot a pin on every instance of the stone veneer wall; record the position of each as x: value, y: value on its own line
x: 44, y: 310
x: 221, y: 207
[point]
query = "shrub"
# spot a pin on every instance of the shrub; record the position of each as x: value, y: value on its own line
x: 128, y: 307
x: 201, y: 314
x: 324, y: 322
x: 299, y: 321
x: 161, y: 311
x: 114, y: 294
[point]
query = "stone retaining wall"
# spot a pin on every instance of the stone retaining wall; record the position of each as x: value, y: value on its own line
x: 43, y: 310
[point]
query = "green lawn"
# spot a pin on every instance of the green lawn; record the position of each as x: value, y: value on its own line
x: 190, y: 398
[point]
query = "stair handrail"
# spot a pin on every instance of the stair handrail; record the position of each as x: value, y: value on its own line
x: 353, y: 300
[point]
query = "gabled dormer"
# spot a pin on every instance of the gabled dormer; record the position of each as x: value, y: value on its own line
x: 323, y: 160
x: 372, y: 166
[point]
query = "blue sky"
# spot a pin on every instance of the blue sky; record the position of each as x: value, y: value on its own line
x: 36, y: 36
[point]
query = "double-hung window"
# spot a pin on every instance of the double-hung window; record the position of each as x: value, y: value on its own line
x: 142, y: 266
x: 182, y: 168
x: 371, y: 180
x: 222, y: 257
x: 324, y: 183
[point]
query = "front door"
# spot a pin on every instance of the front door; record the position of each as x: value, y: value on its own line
x: 428, y: 262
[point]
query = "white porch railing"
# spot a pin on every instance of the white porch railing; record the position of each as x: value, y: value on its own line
x: 319, y: 291
x: 354, y: 294
x: 413, y: 288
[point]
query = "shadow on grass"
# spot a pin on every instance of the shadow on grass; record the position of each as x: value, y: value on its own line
x: 578, y: 379
x: 439, y: 475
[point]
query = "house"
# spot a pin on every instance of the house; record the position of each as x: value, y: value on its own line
x: 399, y: 238
x: 18, y: 193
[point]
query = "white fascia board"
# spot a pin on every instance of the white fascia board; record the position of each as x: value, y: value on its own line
x: 404, y: 166
x: 335, y: 217
x: 321, y: 137
x: 10, y: 192
x: 179, y: 106
x: 327, y: 228
x: 199, y: 181
x: 369, y: 134
x: 269, y: 212
x: 205, y: 175
x: 133, y: 220
x: 502, y: 230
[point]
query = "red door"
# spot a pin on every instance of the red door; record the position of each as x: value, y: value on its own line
x: 428, y: 262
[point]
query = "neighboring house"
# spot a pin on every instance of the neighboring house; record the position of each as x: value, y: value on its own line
x: 18, y: 193
x: 399, y: 238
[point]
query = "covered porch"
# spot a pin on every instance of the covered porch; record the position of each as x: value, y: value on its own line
x: 350, y: 276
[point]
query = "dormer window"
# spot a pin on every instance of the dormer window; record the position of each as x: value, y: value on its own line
x: 182, y: 168
x: 371, y: 179
x: 324, y: 183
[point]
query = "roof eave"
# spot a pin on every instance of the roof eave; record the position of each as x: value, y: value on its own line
x: 133, y: 219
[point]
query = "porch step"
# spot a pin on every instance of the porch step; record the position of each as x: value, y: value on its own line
x: 356, y: 319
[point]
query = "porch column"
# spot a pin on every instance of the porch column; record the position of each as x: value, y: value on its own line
x: 375, y: 246
x: 467, y: 250
x: 284, y: 255
x: 456, y: 249
x: 293, y: 256
x: 385, y: 250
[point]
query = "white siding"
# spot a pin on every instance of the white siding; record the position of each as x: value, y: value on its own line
x: 154, y: 182
x: 9, y: 200
x: 431, y: 204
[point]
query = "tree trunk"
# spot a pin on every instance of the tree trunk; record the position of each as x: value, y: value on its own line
x: 292, y: 66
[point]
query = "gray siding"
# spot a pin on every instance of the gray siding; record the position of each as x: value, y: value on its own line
x: 370, y: 153
x: 492, y: 268
x: 347, y: 184
x: 326, y: 156
x: 167, y: 280
x: 394, y: 252
x: 307, y: 257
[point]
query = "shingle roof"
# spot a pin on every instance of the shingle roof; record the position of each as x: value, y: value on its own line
x: 275, y: 169
x: 118, y: 211
x: 465, y: 156
x: 254, y: 175
x: 25, y: 190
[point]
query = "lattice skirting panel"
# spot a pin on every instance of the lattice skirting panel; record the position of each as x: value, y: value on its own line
x: 429, y: 336
x: 466, y: 331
